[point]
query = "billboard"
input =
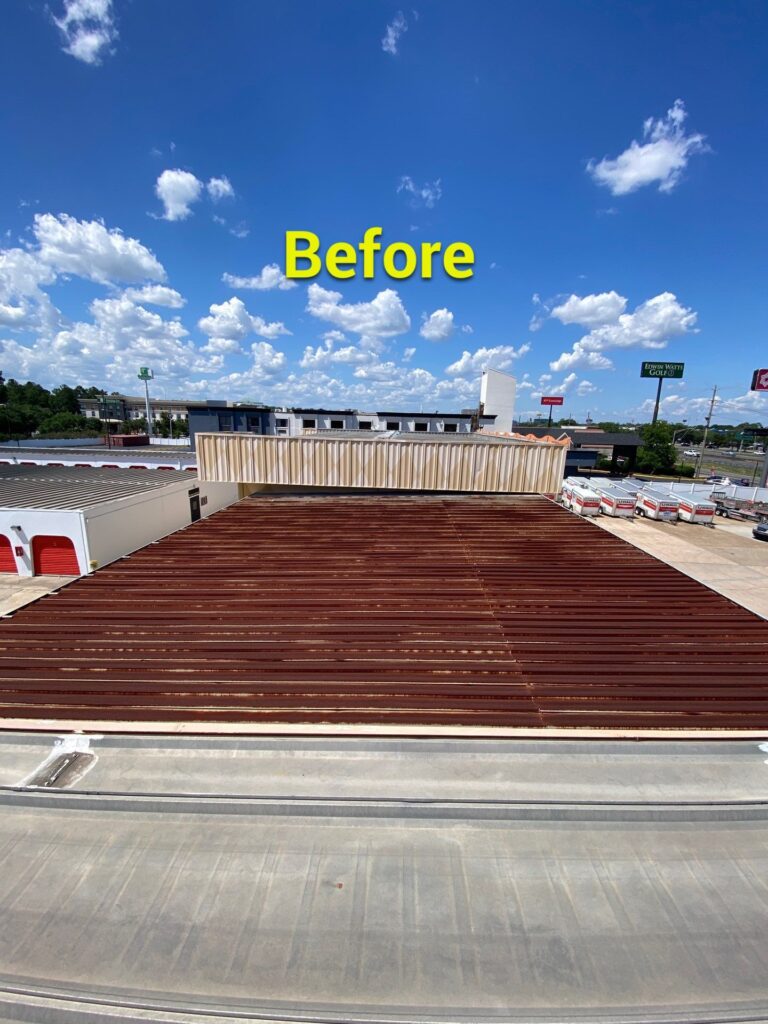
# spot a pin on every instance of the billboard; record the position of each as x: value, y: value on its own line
x: 552, y: 400
x: 662, y: 369
x: 759, y: 380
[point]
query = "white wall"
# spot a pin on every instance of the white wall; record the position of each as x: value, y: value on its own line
x: 497, y: 393
x: 109, y: 531
x: 120, y: 527
x: 35, y: 522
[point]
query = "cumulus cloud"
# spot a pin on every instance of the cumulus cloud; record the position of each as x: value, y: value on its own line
x: 156, y: 295
x: 269, y: 277
x: 591, y: 310
x: 328, y: 353
x: 231, y: 320
x: 437, y: 326
x: 382, y: 317
x: 650, y: 326
x: 177, y: 190
x: 87, y: 28
x: 661, y: 157
x: 421, y: 195
x: 89, y: 249
x: 220, y: 188
x: 498, y: 358
x: 394, y: 30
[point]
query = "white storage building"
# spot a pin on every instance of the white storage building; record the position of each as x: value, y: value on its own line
x: 67, y: 521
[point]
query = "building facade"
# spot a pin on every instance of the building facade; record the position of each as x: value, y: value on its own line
x: 119, y: 408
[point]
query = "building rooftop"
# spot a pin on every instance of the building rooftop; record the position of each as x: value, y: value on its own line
x: 71, y: 488
x: 174, y: 456
x: 503, y: 611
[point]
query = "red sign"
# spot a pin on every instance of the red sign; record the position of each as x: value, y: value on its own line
x: 759, y: 380
x: 558, y: 399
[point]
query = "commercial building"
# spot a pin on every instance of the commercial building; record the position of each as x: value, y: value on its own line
x: 68, y: 521
x: 587, y: 444
x: 497, y: 398
x: 99, y: 457
x: 118, y: 408
x: 211, y: 417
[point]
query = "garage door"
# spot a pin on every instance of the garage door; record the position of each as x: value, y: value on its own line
x: 54, y: 556
x: 7, y: 561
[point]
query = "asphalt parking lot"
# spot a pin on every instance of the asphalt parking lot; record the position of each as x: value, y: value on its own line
x: 725, y: 558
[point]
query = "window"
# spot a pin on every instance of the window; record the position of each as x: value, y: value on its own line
x: 225, y: 422
x: 421, y: 426
x: 365, y: 424
x: 393, y: 425
x: 308, y: 424
x: 337, y: 424
x: 281, y: 423
x: 449, y: 428
x: 254, y: 424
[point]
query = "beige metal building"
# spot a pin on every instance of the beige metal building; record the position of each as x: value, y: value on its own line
x: 474, y: 463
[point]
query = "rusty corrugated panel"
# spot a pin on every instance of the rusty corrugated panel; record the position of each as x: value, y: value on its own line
x: 487, y: 611
x: 382, y: 463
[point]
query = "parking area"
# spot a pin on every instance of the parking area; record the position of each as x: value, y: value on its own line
x: 726, y: 557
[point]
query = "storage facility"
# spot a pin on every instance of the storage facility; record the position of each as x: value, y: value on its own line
x: 98, y: 457
x: 503, y: 612
x: 68, y: 521
x: 470, y: 463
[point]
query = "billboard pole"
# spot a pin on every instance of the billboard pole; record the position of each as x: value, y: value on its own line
x: 658, y: 399
x: 147, y: 375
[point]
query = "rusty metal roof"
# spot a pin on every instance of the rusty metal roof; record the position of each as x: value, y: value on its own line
x: 503, y: 611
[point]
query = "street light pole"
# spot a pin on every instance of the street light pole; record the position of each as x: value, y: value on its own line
x: 147, y: 375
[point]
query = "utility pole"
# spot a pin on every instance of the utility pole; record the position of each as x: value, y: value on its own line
x: 707, y: 421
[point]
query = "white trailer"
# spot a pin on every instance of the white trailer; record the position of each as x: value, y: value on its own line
x: 654, y: 504
x: 584, y: 501
x: 615, y: 501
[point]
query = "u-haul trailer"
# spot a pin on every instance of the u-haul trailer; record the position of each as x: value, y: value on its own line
x: 695, y: 510
x: 655, y: 504
x: 583, y: 500
x: 615, y: 501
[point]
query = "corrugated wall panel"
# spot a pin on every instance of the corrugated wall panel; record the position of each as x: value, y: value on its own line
x: 392, y: 464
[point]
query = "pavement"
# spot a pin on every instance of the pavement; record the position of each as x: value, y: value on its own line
x: 726, y: 557
x: 329, y: 880
x: 16, y: 591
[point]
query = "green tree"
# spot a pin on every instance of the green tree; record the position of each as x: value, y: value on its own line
x: 657, y: 453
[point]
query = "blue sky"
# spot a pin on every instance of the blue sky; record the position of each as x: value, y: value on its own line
x: 606, y: 161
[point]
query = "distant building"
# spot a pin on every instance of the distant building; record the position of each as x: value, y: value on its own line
x: 228, y: 417
x: 130, y: 407
x: 497, y: 398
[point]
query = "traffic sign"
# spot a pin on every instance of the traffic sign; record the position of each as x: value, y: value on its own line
x: 552, y: 400
x: 759, y: 380
x: 662, y: 369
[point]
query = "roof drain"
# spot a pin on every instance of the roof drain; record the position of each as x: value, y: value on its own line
x: 70, y: 759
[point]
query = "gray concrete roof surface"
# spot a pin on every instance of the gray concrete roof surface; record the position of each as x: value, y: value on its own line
x: 182, y: 879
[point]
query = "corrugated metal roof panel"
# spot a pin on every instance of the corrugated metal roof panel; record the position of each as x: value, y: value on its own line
x: 71, y: 488
x: 504, y: 611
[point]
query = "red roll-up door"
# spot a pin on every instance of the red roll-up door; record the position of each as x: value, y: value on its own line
x: 7, y: 561
x: 54, y: 556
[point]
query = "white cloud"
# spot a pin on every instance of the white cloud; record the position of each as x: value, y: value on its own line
x: 498, y: 358
x: 394, y: 30
x: 328, y: 354
x: 421, y: 195
x: 89, y: 249
x: 222, y: 346
x: 661, y: 157
x: 220, y: 188
x: 240, y: 230
x: 591, y: 310
x: 156, y: 295
x: 650, y: 326
x: 382, y: 317
x: 408, y: 354
x: 177, y: 190
x: 467, y: 328
x: 232, y: 320
x: 87, y: 28
x: 268, y: 277
x: 22, y: 273
x: 437, y: 326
